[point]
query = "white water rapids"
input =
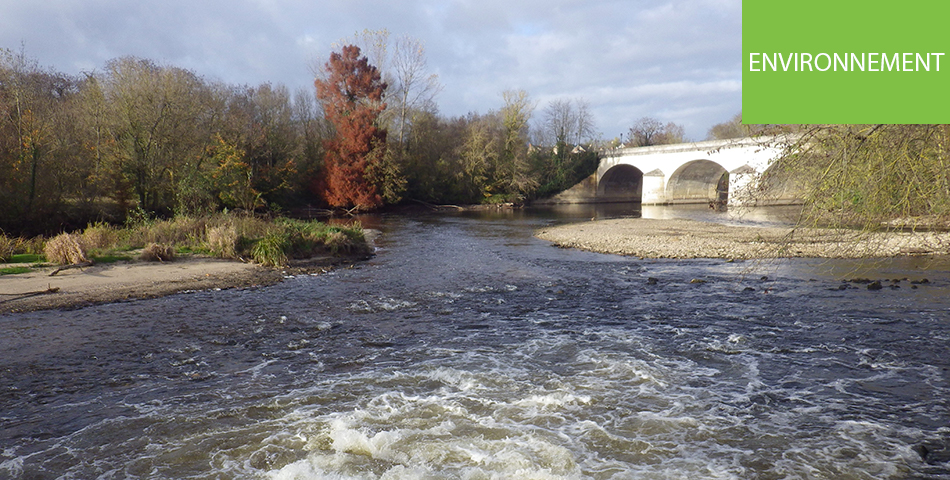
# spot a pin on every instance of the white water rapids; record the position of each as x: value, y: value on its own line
x: 468, y: 349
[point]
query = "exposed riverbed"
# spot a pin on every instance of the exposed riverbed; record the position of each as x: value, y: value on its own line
x: 736, y: 236
x: 467, y: 348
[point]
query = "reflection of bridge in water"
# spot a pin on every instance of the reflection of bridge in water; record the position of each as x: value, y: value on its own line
x: 715, y: 172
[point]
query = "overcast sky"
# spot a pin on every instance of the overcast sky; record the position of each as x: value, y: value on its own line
x: 677, y: 60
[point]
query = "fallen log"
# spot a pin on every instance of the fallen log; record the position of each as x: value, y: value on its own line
x: 438, y: 207
x: 74, y: 265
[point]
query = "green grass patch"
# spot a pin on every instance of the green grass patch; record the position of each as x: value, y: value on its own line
x: 27, y: 258
x: 110, y: 258
x: 14, y: 270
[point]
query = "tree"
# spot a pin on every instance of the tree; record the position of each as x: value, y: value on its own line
x: 312, y: 130
x: 478, y: 157
x: 415, y: 88
x: 566, y: 125
x: 351, y: 94
x: 261, y: 122
x: 733, y: 128
x: 868, y: 176
x: 92, y: 118
x: 161, y: 122
x: 37, y: 140
x: 567, y: 122
x: 650, y: 131
x: 409, y: 95
x: 402, y: 64
x: 513, y: 169
x: 233, y: 177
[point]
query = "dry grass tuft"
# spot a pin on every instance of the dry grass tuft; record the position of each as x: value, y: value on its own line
x: 222, y: 240
x: 100, y: 236
x: 7, y: 246
x: 34, y: 246
x: 155, y: 252
x: 179, y: 230
x: 65, y: 249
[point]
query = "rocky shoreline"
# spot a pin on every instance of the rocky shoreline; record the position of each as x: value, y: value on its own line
x: 683, y: 239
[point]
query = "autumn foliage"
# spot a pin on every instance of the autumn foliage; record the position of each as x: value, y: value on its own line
x: 351, y: 94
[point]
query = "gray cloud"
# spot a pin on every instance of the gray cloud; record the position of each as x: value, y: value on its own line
x: 674, y: 60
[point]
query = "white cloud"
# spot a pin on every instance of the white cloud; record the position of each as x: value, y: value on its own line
x: 629, y: 59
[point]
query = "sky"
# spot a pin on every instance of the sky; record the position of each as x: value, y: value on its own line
x: 674, y: 60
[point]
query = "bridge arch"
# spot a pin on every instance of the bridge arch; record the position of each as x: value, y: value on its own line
x: 724, y: 171
x: 621, y: 183
x: 778, y: 187
x: 698, y: 181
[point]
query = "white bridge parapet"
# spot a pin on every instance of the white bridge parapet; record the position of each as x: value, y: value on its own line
x: 715, y: 171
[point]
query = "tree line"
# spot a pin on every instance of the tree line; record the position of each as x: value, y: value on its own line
x: 138, y: 139
x: 142, y: 139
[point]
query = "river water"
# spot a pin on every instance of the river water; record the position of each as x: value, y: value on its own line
x: 468, y: 349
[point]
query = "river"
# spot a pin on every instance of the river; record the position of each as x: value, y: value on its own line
x: 468, y: 349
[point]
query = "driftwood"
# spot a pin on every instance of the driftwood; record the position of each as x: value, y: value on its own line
x: 33, y: 294
x: 67, y: 267
x: 438, y: 207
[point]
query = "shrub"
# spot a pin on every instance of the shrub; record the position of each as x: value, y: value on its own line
x: 155, y: 252
x: 337, y: 241
x: 65, y: 249
x: 270, y: 251
x: 346, y: 239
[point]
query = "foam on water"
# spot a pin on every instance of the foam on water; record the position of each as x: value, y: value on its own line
x: 546, y: 368
x: 516, y: 422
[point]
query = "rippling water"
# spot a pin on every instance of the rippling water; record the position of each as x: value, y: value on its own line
x: 468, y: 349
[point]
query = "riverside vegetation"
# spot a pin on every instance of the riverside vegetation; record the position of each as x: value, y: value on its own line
x: 268, y: 242
x: 140, y: 135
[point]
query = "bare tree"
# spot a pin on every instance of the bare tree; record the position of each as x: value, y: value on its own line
x: 567, y: 122
x: 650, y: 131
x: 414, y: 88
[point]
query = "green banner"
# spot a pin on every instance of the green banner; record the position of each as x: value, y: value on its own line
x: 845, y: 61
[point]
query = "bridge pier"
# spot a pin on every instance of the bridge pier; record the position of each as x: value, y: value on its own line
x: 717, y: 172
x: 723, y: 172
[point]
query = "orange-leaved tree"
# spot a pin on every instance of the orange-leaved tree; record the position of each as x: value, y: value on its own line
x: 351, y: 93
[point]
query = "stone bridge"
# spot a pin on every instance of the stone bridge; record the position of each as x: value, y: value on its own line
x: 716, y: 172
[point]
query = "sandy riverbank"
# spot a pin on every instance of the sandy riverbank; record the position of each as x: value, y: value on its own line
x: 126, y: 280
x: 114, y: 282
x: 107, y: 283
x: 653, y: 238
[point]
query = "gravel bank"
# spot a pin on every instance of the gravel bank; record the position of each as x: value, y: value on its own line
x: 677, y: 238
